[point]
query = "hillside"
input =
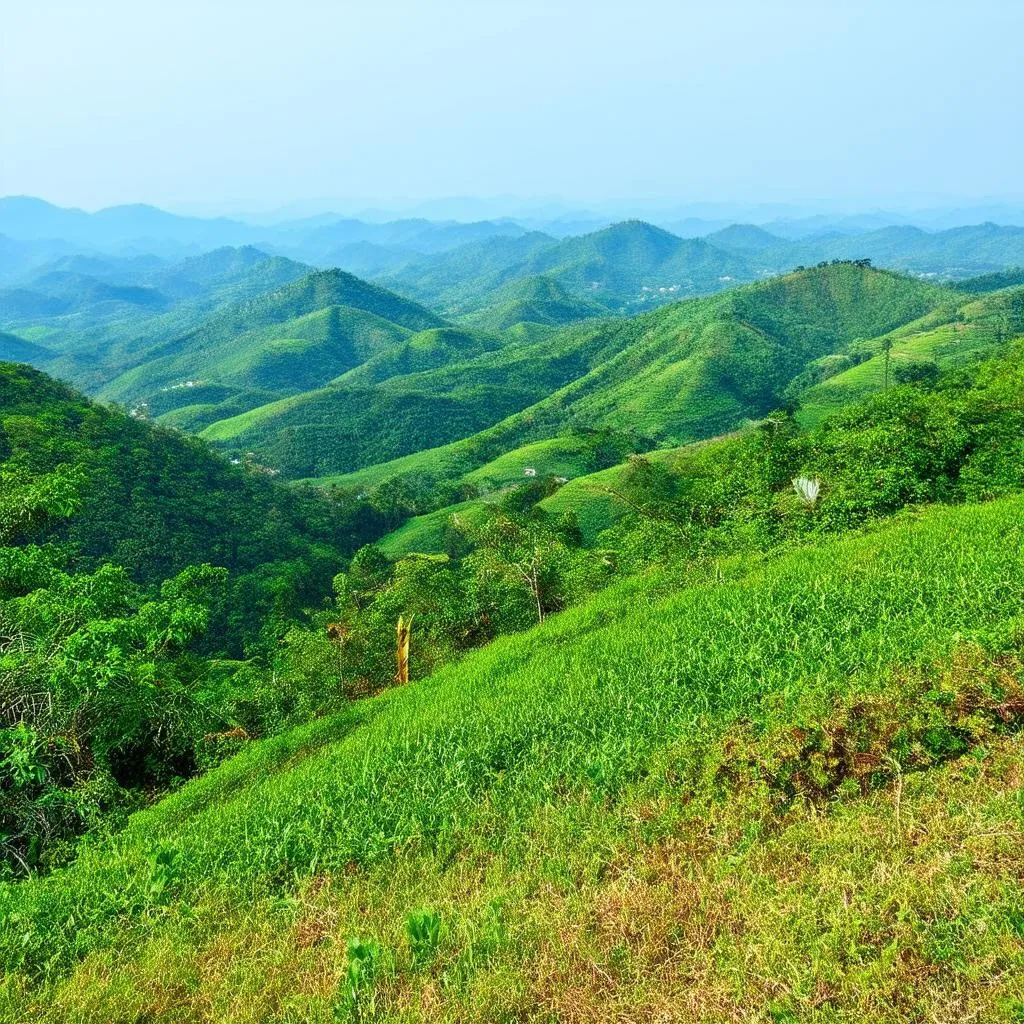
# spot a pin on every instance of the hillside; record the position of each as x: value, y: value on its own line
x: 291, y: 339
x: 576, y: 823
x: 354, y: 422
x: 686, y: 371
x: 631, y: 704
x: 534, y: 300
x: 462, y: 279
x: 630, y: 265
x: 17, y: 350
x: 155, y: 501
x: 67, y: 305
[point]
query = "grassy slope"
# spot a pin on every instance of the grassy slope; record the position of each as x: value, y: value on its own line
x: 426, y: 534
x: 936, y: 338
x: 947, y: 336
x: 530, y: 794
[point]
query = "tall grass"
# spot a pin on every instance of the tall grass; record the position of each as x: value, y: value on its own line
x: 582, y: 705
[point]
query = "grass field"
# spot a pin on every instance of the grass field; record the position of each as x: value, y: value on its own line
x: 549, y: 798
x: 557, y: 456
x: 426, y: 533
x: 947, y: 345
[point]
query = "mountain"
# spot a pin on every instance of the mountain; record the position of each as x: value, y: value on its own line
x: 153, y: 501
x: 464, y: 278
x: 956, y: 252
x: 139, y: 228
x: 23, y: 217
x: 103, y: 315
x: 467, y: 382
x: 17, y: 350
x: 685, y: 371
x: 633, y: 264
x: 368, y: 259
x: 18, y: 258
x: 292, y: 339
x: 627, y: 266
x: 1010, y: 278
x: 745, y: 238
x: 417, y: 235
x: 534, y: 300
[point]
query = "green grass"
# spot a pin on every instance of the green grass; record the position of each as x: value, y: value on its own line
x: 556, y: 456
x: 947, y: 345
x: 426, y: 534
x: 520, y: 763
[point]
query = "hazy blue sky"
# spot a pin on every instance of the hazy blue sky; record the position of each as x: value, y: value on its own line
x: 246, y: 104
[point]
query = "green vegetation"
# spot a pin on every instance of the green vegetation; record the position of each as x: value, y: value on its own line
x: 534, y: 300
x: 992, y: 282
x: 544, y: 797
x: 661, y: 666
x: 18, y: 350
x: 125, y: 655
x: 682, y: 373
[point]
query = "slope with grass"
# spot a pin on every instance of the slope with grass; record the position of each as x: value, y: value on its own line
x: 359, y: 420
x: 281, y: 337
x: 583, y: 765
x: 939, y: 341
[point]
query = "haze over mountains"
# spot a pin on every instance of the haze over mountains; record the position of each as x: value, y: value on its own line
x: 35, y: 229
x: 419, y: 334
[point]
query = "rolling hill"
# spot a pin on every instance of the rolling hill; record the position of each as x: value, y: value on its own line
x: 680, y: 373
x: 290, y: 340
x: 626, y: 266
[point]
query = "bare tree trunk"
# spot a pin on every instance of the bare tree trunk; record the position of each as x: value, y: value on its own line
x: 404, y: 629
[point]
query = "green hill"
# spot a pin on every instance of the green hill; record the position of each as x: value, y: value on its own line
x: 633, y: 264
x: 155, y: 501
x: 98, y: 341
x: 461, y: 279
x: 991, y: 282
x: 690, y: 370
x: 534, y: 300
x: 630, y: 265
x: 292, y: 339
x: 17, y: 350
x: 354, y: 422
x: 613, y: 770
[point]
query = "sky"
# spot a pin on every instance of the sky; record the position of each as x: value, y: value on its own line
x: 222, y: 105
